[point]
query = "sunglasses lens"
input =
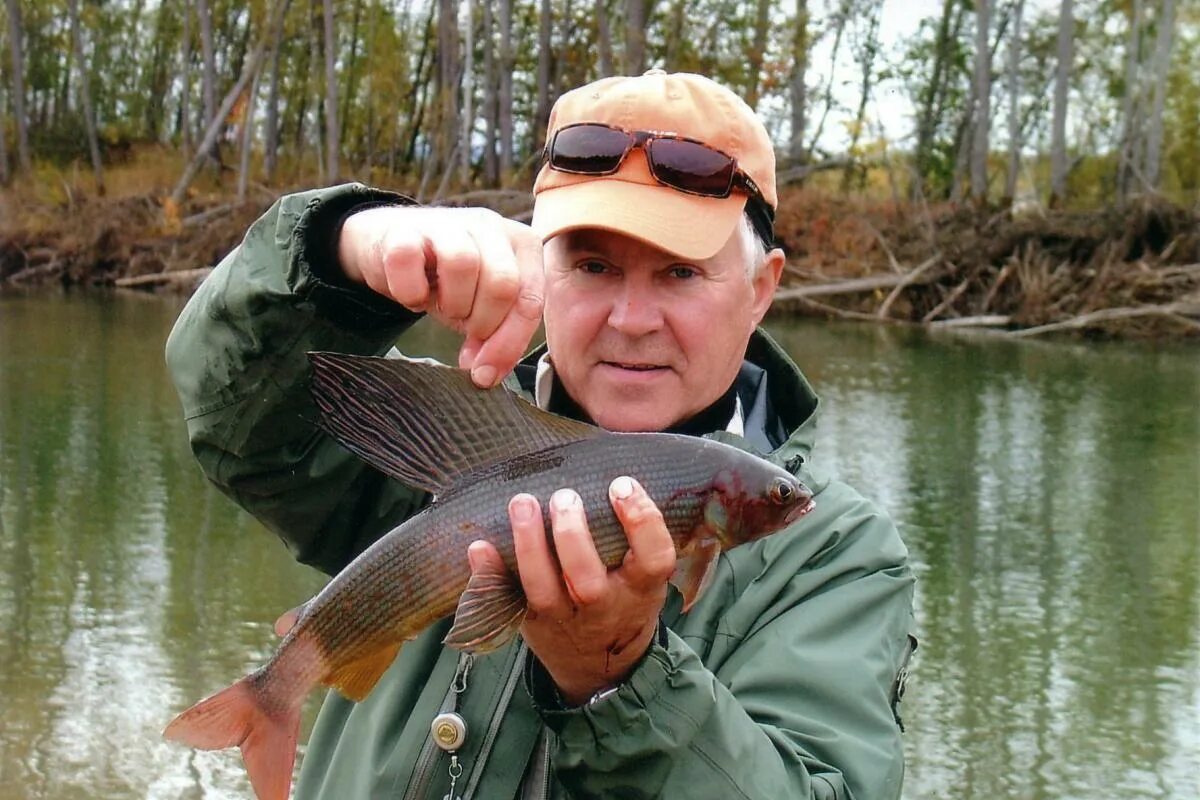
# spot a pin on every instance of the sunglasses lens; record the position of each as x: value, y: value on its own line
x: 589, y: 149
x: 691, y: 167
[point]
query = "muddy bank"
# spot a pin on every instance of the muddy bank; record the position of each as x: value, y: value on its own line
x: 1132, y: 272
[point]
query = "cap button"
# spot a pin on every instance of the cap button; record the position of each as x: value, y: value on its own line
x: 655, y: 71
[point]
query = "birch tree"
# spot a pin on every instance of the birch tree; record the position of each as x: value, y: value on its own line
x: 17, y: 90
x: 208, y: 75
x: 468, y: 116
x: 491, y: 166
x: 983, y: 92
x: 85, y: 96
x: 1014, y: 105
x: 506, y: 89
x: 1129, y: 123
x: 1062, y: 76
x: 332, y: 131
x: 758, y: 49
x: 603, y: 39
x: 1162, y: 64
x: 636, y: 12
x: 798, y: 88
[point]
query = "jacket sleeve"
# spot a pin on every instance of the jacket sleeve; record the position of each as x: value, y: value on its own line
x: 237, y: 357
x: 786, y: 690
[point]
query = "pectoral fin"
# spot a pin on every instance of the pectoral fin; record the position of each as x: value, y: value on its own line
x: 490, y: 611
x: 356, y: 679
x: 695, y: 567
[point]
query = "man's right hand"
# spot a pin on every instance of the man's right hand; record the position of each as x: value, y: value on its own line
x: 470, y: 268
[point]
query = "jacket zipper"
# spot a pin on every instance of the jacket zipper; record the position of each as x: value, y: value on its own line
x: 547, y: 748
x: 494, y: 726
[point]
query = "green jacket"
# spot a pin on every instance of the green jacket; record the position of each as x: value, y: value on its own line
x: 781, y: 682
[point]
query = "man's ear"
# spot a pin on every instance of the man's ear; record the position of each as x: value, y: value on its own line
x: 766, y: 281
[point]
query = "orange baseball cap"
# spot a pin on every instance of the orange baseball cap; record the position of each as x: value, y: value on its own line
x: 630, y: 201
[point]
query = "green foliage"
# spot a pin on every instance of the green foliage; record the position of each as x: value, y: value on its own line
x: 386, y: 54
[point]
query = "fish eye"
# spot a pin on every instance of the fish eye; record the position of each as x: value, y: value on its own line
x: 782, y: 491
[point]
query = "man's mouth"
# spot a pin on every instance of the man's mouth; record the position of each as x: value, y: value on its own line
x: 634, y: 367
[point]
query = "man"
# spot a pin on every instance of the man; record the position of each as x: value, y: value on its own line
x: 655, y: 206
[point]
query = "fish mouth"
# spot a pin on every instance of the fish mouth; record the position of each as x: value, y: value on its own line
x: 799, y: 511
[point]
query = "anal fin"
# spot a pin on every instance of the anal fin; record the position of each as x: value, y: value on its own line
x: 356, y: 679
x: 490, y: 611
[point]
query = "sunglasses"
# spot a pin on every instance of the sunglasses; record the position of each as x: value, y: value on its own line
x: 689, y: 166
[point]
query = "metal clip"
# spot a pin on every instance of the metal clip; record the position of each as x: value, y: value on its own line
x: 449, y: 731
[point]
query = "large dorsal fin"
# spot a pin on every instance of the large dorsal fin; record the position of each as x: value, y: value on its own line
x: 425, y: 424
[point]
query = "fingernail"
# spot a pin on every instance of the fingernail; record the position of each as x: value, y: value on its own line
x: 564, y: 499
x: 484, y: 376
x: 522, y: 509
x: 621, y: 488
x: 474, y: 556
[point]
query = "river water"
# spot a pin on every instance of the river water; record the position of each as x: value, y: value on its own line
x: 1049, y: 493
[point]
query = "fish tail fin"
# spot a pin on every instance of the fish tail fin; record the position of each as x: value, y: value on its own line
x: 234, y: 716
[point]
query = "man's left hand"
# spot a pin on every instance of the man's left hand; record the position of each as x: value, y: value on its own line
x: 587, y: 624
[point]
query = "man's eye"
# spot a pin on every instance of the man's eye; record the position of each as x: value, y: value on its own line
x: 593, y: 267
x: 683, y: 272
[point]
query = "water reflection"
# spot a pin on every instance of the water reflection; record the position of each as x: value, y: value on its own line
x: 1048, y: 493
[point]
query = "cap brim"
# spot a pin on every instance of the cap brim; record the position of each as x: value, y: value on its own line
x: 683, y: 224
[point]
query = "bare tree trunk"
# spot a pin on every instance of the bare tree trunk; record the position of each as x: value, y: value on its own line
x: 448, y: 54
x: 208, y: 75
x: 350, y: 70
x: 928, y: 111
x: 1062, y: 81
x: 85, y: 96
x: 866, y: 58
x: 506, y: 90
x: 983, y: 91
x: 1014, y: 112
x: 468, y: 117
x: 249, y: 68
x: 332, y: 144
x: 271, y: 122
x: 1129, y: 134
x: 842, y: 15
x: 758, y: 49
x: 542, y: 113
x: 604, y: 39
x: 185, y: 95
x: 491, y: 167
x: 1162, y: 65
x: 16, y: 52
x: 246, y: 140
x: 5, y: 176
x: 636, y: 12
x: 798, y: 88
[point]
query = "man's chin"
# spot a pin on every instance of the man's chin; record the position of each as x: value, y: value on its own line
x: 645, y: 416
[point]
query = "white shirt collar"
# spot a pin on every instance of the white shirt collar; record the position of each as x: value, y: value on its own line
x: 543, y: 382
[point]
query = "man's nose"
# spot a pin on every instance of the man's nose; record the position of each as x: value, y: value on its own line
x: 635, y: 312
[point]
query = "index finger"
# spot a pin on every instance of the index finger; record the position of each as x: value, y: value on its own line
x: 651, y: 557
x: 500, y: 351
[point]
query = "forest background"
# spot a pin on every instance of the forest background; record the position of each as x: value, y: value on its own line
x: 1012, y: 165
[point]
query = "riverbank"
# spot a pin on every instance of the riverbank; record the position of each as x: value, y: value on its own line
x: 1115, y: 273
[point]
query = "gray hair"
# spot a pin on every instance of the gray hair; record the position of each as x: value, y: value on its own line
x: 754, y: 250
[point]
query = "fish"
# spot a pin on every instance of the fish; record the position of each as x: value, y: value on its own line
x: 472, y: 449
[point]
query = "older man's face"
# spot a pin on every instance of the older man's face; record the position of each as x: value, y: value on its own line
x: 641, y: 338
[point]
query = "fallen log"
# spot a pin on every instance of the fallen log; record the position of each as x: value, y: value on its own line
x: 868, y: 284
x: 1181, y: 309
x: 174, y: 277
